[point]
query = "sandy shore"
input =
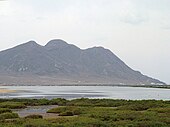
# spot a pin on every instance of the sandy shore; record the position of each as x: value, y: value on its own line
x: 6, y: 91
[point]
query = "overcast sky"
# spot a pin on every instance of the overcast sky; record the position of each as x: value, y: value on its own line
x: 137, y: 31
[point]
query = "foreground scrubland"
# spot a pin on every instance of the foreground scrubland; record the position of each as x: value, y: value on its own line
x: 88, y: 113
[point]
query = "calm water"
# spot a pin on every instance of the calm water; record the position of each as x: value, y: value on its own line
x: 70, y: 92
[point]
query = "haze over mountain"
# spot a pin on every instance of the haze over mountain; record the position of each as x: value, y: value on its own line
x: 61, y: 63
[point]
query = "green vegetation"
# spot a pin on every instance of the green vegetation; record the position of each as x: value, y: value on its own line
x: 68, y: 110
x: 34, y: 116
x: 12, y: 105
x: 8, y: 115
x: 4, y: 110
x: 88, y: 113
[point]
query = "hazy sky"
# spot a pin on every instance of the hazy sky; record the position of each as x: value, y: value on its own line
x: 137, y: 31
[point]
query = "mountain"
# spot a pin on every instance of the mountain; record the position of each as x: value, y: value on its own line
x: 61, y: 63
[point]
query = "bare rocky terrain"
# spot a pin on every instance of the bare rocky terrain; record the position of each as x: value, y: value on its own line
x: 61, y: 63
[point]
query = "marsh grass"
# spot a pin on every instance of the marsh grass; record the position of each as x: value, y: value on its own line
x: 89, y: 113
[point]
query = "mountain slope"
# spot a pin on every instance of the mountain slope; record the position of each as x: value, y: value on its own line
x: 59, y: 62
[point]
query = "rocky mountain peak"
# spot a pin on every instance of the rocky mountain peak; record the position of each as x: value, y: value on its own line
x: 28, y: 45
x: 70, y: 63
x: 56, y: 43
x: 31, y: 43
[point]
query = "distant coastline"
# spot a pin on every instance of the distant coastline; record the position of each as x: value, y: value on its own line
x: 116, y: 85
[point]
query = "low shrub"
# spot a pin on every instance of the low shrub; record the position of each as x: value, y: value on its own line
x: 151, y: 124
x: 143, y: 105
x: 161, y: 110
x: 75, y: 110
x: 12, y: 105
x: 8, y: 116
x: 37, y: 123
x: 34, y: 116
x: 67, y: 113
x: 4, y: 110
x: 57, y: 110
x: 59, y: 101
x: 97, y: 102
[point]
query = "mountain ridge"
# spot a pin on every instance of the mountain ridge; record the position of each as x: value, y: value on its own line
x: 58, y: 60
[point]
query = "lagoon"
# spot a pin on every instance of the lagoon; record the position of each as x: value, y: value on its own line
x: 73, y: 92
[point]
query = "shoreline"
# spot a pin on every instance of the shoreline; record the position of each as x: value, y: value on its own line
x: 7, y: 90
x: 144, y: 86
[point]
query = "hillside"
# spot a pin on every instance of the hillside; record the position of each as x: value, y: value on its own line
x: 61, y: 63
